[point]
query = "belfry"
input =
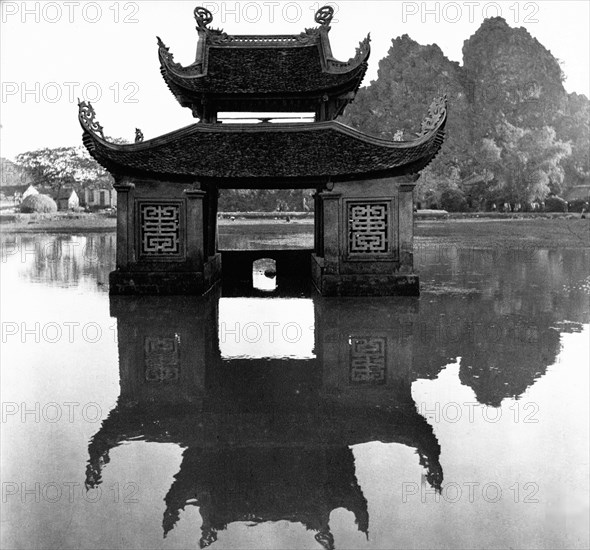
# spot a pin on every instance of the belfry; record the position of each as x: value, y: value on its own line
x: 167, y: 187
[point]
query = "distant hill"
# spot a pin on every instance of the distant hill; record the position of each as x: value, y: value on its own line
x: 511, y: 123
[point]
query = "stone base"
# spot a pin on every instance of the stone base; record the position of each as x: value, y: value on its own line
x: 365, y: 284
x: 194, y: 283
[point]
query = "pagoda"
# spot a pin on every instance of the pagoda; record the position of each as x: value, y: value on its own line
x: 167, y: 187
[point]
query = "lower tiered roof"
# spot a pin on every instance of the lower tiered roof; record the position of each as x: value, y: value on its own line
x: 266, y: 154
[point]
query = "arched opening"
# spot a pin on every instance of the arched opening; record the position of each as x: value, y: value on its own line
x: 264, y: 274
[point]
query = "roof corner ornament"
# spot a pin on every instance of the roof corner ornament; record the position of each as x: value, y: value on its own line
x: 161, y: 45
x: 436, y: 112
x: 87, y: 115
x: 166, y: 55
x: 203, y: 17
x: 324, y: 16
x: 362, y: 51
x: 138, y: 135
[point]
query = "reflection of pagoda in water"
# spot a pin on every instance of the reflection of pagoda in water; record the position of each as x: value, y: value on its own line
x: 265, y: 439
x: 269, y: 439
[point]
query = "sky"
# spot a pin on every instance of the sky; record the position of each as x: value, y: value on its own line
x: 51, y: 53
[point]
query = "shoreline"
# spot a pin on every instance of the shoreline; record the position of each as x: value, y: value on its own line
x: 566, y: 230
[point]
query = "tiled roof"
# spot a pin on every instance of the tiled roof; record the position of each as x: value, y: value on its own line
x: 261, y: 70
x: 64, y: 193
x: 260, y: 154
x: 264, y: 72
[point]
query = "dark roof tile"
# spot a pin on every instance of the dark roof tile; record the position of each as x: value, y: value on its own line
x: 230, y: 153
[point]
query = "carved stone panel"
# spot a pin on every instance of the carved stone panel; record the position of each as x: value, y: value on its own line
x: 162, y: 358
x: 370, y: 232
x: 368, y: 229
x: 368, y: 359
x: 160, y: 230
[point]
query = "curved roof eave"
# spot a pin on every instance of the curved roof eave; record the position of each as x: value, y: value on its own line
x: 413, y: 155
x: 198, y: 69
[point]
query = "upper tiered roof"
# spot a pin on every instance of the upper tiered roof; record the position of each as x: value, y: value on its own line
x: 294, y: 73
x: 265, y: 73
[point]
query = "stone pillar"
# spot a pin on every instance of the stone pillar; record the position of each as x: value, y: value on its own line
x: 161, y: 240
x: 195, y: 225
x: 124, y: 207
x: 331, y: 225
x: 406, y: 224
x: 211, y: 222
x: 202, y: 234
x: 366, y: 231
x: 318, y: 244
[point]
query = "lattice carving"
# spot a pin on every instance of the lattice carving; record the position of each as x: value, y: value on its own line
x: 162, y: 358
x: 368, y: 360
x: 159, y: 229
x: 368, y: 225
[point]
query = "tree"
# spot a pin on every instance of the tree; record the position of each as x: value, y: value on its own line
x: 574, y: 126
x: 530, y: 162
x: 453, y: 200
x: 12, y: 175
x: 507, y: 77
x: 64, y: 166
x: 431, y: 186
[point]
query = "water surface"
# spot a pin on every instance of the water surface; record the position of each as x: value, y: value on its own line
x: 458, y: 419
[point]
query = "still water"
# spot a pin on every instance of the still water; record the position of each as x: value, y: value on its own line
x: 455, y: 420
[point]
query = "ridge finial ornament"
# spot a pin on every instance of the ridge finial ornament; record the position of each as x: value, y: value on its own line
x: 138, y: 135
x: 87, y: 115
x: 203, y: 17
x: 324, y: 15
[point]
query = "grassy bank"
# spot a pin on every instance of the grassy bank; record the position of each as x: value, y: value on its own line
x: 61, y: 222
x: 542, y: 231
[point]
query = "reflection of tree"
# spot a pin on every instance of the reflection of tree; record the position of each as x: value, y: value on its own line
x: 507, y: 329
x: 66, y: 260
